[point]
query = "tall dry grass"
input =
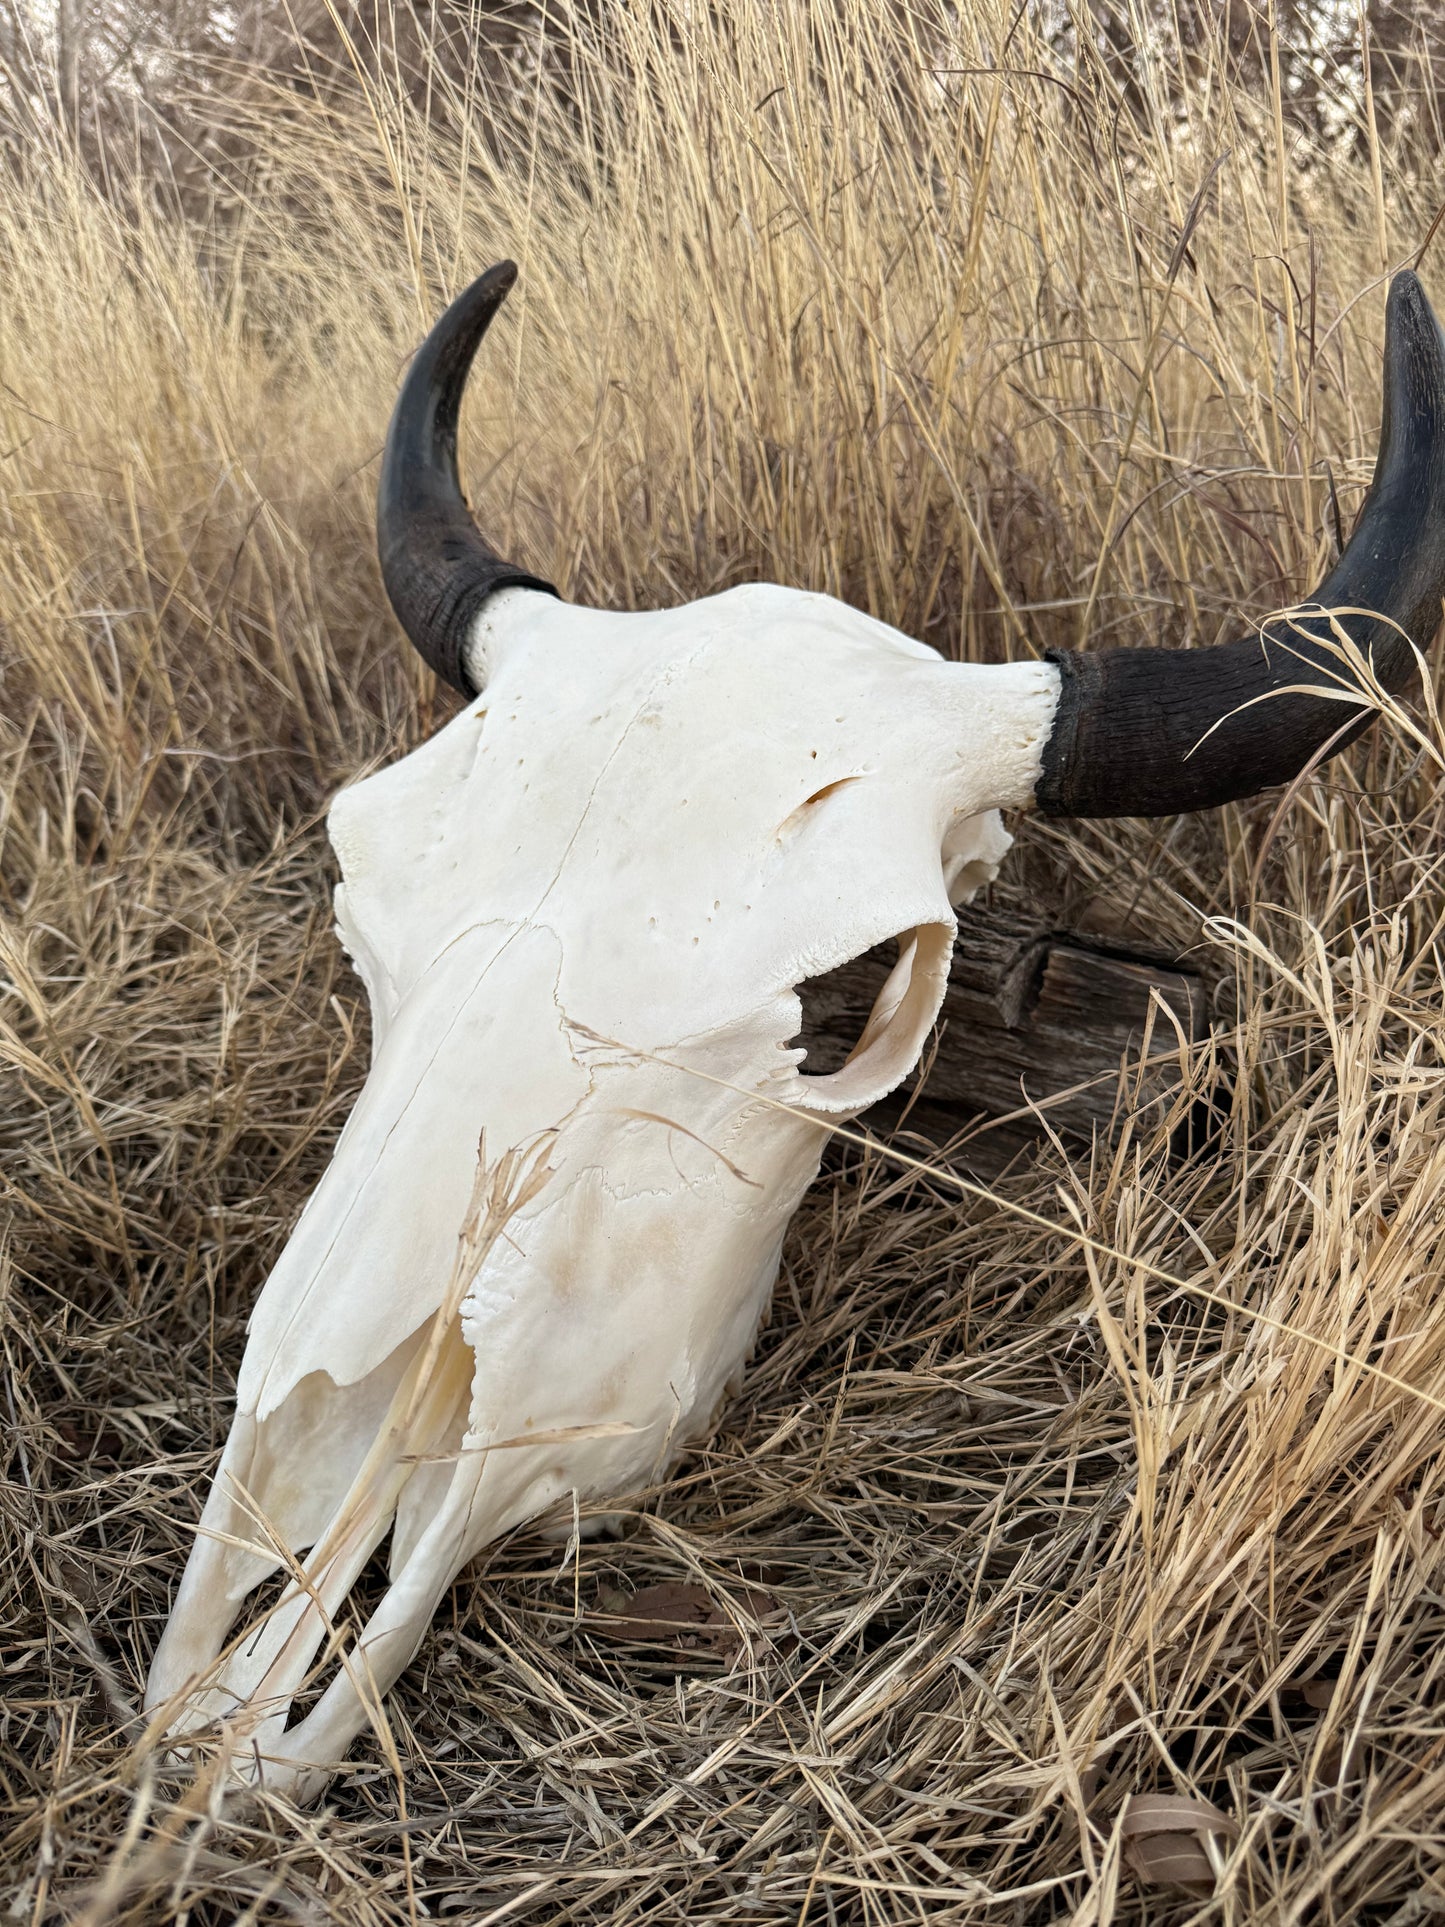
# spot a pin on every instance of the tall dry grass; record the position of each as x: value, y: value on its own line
x: 1122, y: 1481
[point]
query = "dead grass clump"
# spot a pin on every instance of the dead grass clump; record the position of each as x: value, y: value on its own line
x: 1120, y: 1482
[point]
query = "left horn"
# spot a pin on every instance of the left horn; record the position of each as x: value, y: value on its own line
x: 437, y: 567
x: 1135, y: 731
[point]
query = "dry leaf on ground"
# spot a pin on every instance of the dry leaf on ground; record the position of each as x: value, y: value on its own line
x: 1164, y: 1836
x: 682, y: 1615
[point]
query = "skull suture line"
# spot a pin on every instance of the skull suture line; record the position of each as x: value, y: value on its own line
x: 581, y: 913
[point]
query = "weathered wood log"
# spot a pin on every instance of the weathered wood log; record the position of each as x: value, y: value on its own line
x: 1033, y: 1016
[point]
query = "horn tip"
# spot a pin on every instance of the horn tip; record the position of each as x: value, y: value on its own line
x: 1407, y: 307
x: 1414, y: 373
x: 498, y: 279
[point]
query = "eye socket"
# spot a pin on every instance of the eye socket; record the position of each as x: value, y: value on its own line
x: 892, y: 1034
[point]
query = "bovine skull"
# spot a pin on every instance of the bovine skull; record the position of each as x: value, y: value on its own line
x: 541, y: 1252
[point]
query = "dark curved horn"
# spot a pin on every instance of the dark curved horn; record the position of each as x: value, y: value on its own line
x: 1127, y: 734
x: 437, y: 568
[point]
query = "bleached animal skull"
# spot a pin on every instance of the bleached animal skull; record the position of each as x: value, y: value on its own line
x: 581, y: 913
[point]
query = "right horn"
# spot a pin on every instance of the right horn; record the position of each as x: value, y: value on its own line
x: 1154, y: 732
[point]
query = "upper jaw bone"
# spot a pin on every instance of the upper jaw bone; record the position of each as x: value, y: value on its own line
x: 586, y: 1333
x: 250, y: 1685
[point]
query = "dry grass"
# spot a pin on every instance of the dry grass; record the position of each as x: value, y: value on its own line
x: 1125, y: 1480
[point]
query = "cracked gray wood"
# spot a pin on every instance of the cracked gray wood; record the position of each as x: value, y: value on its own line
x: 1032, y: 1016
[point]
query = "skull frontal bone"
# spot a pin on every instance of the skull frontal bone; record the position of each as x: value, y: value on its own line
x: 581, y: 912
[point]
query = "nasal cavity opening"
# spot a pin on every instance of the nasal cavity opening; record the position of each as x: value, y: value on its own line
x: 865, y: 1023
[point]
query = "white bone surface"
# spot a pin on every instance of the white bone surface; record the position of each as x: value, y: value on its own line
x: 581, y: 912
